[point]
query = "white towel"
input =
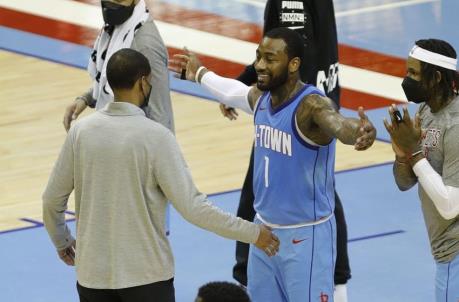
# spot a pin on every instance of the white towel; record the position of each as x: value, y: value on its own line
x: 121, y: 37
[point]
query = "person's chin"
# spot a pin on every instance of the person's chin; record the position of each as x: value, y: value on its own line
x: 262, y: 86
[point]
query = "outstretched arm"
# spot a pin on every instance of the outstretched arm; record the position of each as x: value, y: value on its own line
x: 321, y: 111
x: 174, y: 178
x: 226, y: 90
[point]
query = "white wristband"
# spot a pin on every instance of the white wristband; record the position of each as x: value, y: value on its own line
x: 196, y: 76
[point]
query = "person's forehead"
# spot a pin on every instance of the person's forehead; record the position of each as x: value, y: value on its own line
x: 272, y: 45
x: 413, y: 63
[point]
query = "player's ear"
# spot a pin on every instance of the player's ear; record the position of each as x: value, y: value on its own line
x: 294, y: 65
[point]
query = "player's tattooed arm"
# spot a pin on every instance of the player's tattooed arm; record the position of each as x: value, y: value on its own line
x: 321, y: 112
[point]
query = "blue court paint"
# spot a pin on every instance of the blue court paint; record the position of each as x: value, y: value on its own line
x: 387, y: 264
x: 20, y: 229
x: 389, y: 268
x: 43, y: 47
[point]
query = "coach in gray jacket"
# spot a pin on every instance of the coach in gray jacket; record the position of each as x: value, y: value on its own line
x: 123, y: 168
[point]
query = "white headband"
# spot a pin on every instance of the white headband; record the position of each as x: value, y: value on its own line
x: 433, y: 58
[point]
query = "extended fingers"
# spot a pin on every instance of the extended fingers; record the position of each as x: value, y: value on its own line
x: 393, y: 120
x: 362, y: 114
x: 231, y: 114
x: 69, y: 260
x: 406, y: 115
x: 182, y: 57
x: 388, y: 126
x: 177, y: 65
x: 272, y: 249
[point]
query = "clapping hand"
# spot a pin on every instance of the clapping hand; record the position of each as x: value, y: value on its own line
x: 405, y: 134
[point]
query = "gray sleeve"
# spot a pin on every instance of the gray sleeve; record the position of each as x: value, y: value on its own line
x: 450, y: 173
x: 175, y: 181
x: 148, y: 41
x: 57, y: 192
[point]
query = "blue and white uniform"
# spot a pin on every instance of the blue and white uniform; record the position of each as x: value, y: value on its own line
x: 294, y: 193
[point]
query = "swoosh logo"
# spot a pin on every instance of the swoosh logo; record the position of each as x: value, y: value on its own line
x: 262, y: 108
x: 296, y: 241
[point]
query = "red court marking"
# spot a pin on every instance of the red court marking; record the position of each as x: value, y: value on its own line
x: 352, y: 99
x: 47, y: 27
x: 370, y: 60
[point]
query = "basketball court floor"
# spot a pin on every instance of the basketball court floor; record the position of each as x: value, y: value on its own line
x: 44, y: 48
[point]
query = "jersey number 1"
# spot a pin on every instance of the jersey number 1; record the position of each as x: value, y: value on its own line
x: 266, y: 171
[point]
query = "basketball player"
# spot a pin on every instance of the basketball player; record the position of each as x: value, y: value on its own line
x: 295, y: 131
x: 314, y: 20
x: 426, y: 152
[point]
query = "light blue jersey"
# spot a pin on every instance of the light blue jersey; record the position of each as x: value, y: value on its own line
x: 293, y: 179
x: 293, y: 187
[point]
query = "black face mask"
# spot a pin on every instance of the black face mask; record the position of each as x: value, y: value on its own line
x: 116, y: 14
x: 146, y: 98
x: 414, y: 91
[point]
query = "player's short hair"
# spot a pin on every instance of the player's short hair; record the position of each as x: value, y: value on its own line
x: 449, y: 78
x: 222, y: 292
x: 293, y: 40
x: 125, y: 67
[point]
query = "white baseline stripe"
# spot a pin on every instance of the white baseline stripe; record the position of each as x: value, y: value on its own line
x: 377, y: 8
x: 205, y: 43
x: 371, y: 82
